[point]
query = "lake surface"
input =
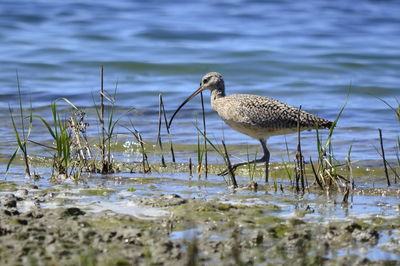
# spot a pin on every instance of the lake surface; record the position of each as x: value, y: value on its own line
x: 306, y: 53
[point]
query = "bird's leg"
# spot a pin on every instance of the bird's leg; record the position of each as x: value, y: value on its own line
x: 266, y: 156
x: 265, y: 159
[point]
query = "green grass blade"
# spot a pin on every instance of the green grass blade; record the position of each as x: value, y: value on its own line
x: 20, y: 106
x: 67, y: 101
x: 209, y: 142
x: 12, y: 159
x: 336, y: 121
x: 46, y: 125
x: 395, y: 110
x: 17, y: 136
x: 54, y: 112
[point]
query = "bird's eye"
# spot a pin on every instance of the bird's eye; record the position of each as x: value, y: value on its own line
x: 205, y: 81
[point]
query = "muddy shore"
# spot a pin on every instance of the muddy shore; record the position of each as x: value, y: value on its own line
x: 190, y: 231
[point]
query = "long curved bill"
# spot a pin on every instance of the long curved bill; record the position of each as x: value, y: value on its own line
x: 184, y: 102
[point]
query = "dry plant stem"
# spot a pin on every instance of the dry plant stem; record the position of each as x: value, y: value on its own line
x: 205, y: 133
x: 299, y: 158
x: 190, y: 167
x: 230, y: 170
x: 146, y: 166
x: 75, y: 128
x: 286, y: 166
x: 305, y: 176
x: 346, y: 195
x: 171, y: 146
x: 264, y: 159
x: 138, y: 137
x: 163, y: 161
x: 383, y: 157
x: 316, y: 175
x: 80, y: 143
x: 396, y: 175
x: 159, y: 132
x: 350, y: 168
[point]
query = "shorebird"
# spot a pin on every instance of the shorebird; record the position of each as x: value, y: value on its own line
x: 256, y: 116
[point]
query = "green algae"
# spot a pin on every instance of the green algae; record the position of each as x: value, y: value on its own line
x: 200, y: 212
x: 52, y: 190
x: 279, y: 230
x: 268, y: 220
x: 8, y: 186
x: 119, y: 221
x: 97, y: 192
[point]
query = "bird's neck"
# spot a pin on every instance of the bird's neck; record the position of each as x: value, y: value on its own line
x: 216, y: 94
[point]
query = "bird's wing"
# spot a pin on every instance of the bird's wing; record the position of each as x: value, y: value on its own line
x: 269, y: 113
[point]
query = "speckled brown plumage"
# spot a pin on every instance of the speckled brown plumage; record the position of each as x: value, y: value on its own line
x: 261, y: 117
x: 256, y: 116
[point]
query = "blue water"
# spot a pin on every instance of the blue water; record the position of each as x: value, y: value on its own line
x: 306, y: 53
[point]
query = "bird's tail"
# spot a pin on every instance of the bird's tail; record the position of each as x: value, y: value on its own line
x: 323, y: 123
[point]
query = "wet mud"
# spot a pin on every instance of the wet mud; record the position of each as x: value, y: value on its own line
x: 36, y: 229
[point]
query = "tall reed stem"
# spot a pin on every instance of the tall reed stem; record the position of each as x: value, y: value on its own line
x: 229, y: 165
x: 171, y: 146
x: 383, y: 157
x: 159, y: 131
x: 299, y: 158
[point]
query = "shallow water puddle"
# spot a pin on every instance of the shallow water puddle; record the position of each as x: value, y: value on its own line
x: 119, y: 192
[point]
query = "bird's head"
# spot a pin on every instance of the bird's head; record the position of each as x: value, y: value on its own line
x: 211, y: 81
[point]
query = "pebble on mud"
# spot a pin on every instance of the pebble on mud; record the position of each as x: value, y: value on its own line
x: 9, y: 201
x: 73, y: 211
x: 21, y: 193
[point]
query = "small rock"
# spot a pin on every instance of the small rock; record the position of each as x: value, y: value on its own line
x: 22, y: 221
x: 295, y: 222
x: 21, y: 193
x: 172, y: 196
x: 259, y: 238
x: 29, y: 205
x: 10, y: 203
x: 167, y: 245
x: 73, y: 211
x: 11, y: 212
x: 353, y: 226
x: 33, y: 214
x: 50, y: 195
